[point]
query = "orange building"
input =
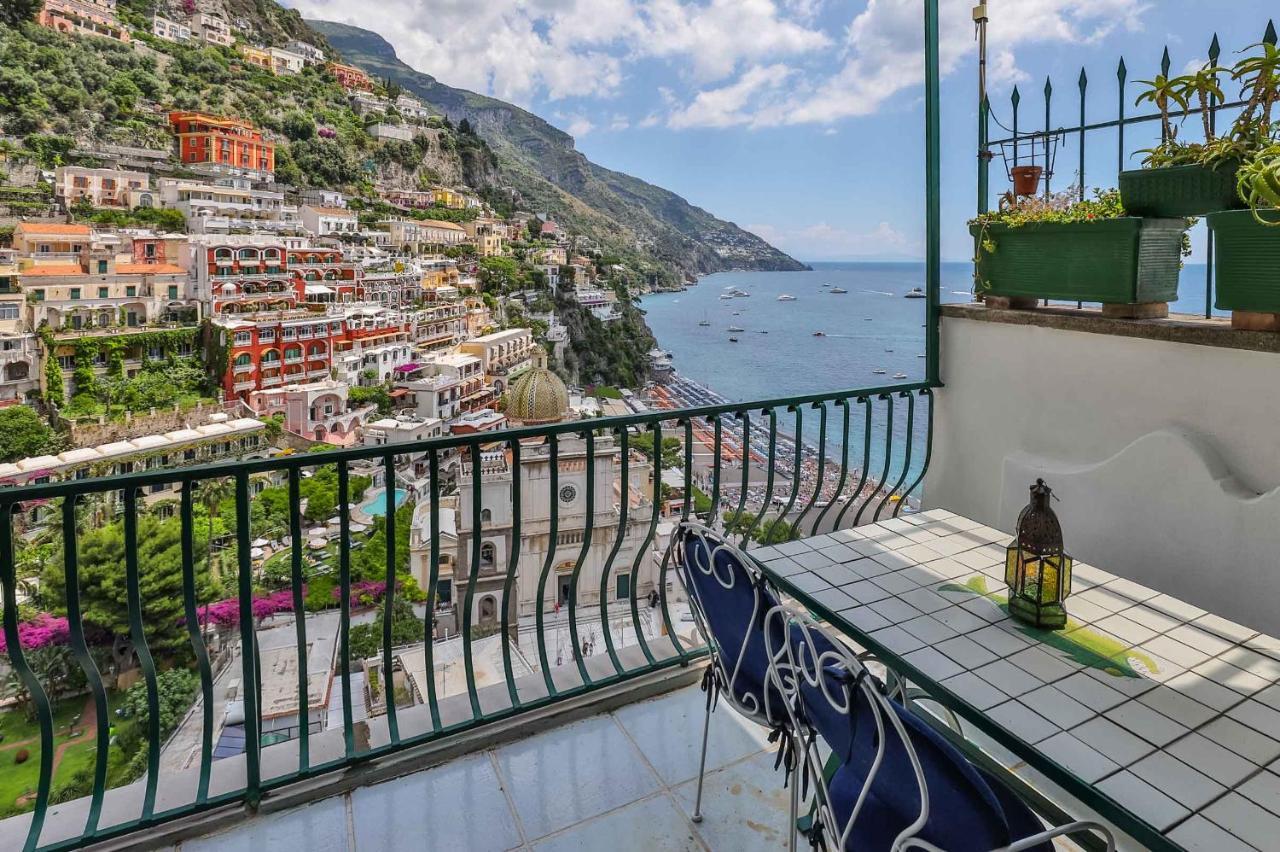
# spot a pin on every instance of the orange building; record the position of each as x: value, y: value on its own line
x: 351, y: 77
x: 204, y: 138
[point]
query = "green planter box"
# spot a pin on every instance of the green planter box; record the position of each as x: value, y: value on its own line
x: 1247, y: 256
x: 1180, y: 191
x: 1125, y: 261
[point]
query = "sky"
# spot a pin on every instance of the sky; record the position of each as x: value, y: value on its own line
x: 802, y: 120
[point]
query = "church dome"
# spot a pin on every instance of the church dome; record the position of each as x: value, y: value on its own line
x: 537, y: 397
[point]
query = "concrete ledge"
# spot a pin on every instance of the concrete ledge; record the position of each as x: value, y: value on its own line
x: 1177, y: 328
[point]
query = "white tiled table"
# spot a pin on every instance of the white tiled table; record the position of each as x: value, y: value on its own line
x: 1168, y: 711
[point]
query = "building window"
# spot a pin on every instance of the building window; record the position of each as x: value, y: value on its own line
x: 131, y: 292
x: 75, y: 293
x: 623, y: 587
x: 103, y: 292
x: 488, y: 553
x: 486, y: 516
x: 102, y: 267
x: 173, y: 292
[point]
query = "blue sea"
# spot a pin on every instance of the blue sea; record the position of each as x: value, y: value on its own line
x: 777, y: 355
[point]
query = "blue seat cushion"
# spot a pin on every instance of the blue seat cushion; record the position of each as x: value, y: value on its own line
x: 735, y: 617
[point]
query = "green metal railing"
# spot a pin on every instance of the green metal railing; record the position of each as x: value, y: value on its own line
x: 862, y: 467
x: 1039, y: 140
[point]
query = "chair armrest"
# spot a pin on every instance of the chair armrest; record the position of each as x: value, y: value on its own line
x: 1069, y: 828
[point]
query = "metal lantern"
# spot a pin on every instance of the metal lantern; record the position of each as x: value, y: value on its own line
x: 1037, y: 569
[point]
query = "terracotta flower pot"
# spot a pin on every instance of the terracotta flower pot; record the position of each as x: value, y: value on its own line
x: 1026, y: 179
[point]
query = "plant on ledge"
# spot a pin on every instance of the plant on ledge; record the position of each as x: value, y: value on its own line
x: 1090, y: 250
x: 1193, y: 178
x: 1247, y: 246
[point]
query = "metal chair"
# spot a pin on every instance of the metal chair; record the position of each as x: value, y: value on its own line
x: 729, y: 598
x: 888, y: 780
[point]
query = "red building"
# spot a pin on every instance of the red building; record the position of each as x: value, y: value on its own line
x: 245, y: 279
x: 351, y: 77
x: 272, y: 351
x: 209, y: 139
x: 323, y: 275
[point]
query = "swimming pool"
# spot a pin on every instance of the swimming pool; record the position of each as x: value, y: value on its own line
x: 376, y: 506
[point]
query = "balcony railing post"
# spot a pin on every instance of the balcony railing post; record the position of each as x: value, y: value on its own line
x: 579, y: 651
x: 513, y: 569
x: 389, y: 599
x: 344, y: 605
x: 619, y: 536
x: 473, y: 577
x: 249, y: 689
x: 553, y: 535
x: 195, y: 634
x: 433, y: 580
x: 933, y: 192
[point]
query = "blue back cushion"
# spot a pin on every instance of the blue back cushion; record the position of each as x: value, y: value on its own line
x: 965, y: 811
x: 729, y: 615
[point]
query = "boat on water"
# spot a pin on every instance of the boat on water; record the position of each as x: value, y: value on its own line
x: 922, y: 355
x: 706, y: 323
x: 879, y: 372
x: 733, y: 340
x: 888, y: 350
x: 736, y: 328
x: 819, y: 334
x: 899, y: 375
x: 725, y: 296
x: 786, y: 297
x: 763, y: 331
x: 838, y: 290
x: 866, y: 319
x: 916, y: 293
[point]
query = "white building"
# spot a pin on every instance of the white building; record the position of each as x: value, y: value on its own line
x: 412, y: 108
x: 330, y: 221
x: 416, y: 234
x: 402, y: 429
x: 162, y: 27
x: 310, y: 54
x: 398, y: 132
x: 324, y: 198
x: 100, y: 187
x: 212, y: 28
x: 286, y: 61
x: 504, y: 354
x: 319, y: 411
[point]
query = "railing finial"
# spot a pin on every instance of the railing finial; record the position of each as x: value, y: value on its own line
x: 1165, y: 62
x: 1270, y: 36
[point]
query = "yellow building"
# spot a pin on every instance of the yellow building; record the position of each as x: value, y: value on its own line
x: 258, y: 57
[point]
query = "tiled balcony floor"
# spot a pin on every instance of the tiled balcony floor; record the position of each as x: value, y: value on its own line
x: 620, y: 781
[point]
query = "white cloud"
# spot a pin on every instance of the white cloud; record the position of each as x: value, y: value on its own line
x: 724, y: 107
x: 883, y: 54
x: 619, y: 122
x: 578, y: 48
x: 579, y: 125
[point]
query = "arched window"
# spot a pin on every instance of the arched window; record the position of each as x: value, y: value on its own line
x: 488, y: 553
x: 244, y: 359
x: 486, y: 516
x: 249, y: 254
x: 270, y: 356
x: 223, y: 254
x: 271, y: 254
x: 488, y: 610
x: 293, y: 352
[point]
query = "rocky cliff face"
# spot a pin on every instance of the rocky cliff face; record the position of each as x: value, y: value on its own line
x: 540, y: 164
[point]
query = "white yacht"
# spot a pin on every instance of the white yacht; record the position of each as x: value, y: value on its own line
x: 786, y: 297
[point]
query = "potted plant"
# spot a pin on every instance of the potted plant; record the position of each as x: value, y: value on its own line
x: 1079, y: 251
x: 1186, y: 179
x: 1247, y: 247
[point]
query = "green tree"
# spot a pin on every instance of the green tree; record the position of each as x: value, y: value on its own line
x: 23, y: 433
x: 15, y: 12
x: 406, y: 629
x: 299, y: 126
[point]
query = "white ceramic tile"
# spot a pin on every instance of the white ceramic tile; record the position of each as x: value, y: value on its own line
x: 321, y: 827
x: 1130, y: 632
x: 1046, y: 667
x: 985, y: 609
x: 925, y: 600
x: 966, y: 652
x: 1140, y: 719
x: 1023, y: 722
x: 928, y: 629
x: 960, y: 620
x: 865, y: 618
x: 834, y: 599
x: 1245, y: 820
x: 1243, y: 741
x: 1221, y: 672
x: 1201, y: 640
x: 975, y: 690
x: 1258, y: 717
x: 1263, y: 788
x: 809, y: 582
x: 933, y: 664
x: 1008, y: 678
x: 1002, y: 643
x: 606, y: 769
x: 1177, y: 780
x: 1144, y: 800
x: 1228, y: 630
x: 1199, y: 835
x: 838, y: 552
x: 669, y: 732
x: 1085, y: 762
x: 897, y: 640
x: 792, y: 548
x: 744, y: 807
x: 1057, y: 706
x: 653, y: 825
x: 1176, y: 608
x: 1130, y: 686
x: 1205, y: 691
x: 1169, y: 702
x: 1257, y: 664
x: 427, y: 805
x: 1112, y: 740
x: 895, y: 583
x: 1152, y: 618
x: 865, y: 591
x: 1085, y: 612
x: 1175, y: 651
x: 1091, y: 693
x: 896, y: 611
x: 837, y: 575
x: 1218, y: 762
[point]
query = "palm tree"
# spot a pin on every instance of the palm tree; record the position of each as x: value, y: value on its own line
x: 1204, y: 85
x: 213, y: 493
x: 1260, y: 77
x: 1163, y: 92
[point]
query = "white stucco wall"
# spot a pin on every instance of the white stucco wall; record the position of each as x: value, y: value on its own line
x: 1166, y: 456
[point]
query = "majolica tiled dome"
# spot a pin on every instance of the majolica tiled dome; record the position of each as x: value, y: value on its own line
x: 537, y: 397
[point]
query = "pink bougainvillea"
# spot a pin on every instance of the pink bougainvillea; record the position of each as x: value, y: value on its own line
x: 41, y: 632
x: 226, y: 613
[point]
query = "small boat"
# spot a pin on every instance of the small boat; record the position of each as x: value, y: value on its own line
x: 786, y: 297
x: 879, y: 372
x: 922, y: 355
x: 705, y: 323
x: 916, y: 293
x: 826, y: 285
x: 838, y: 290
x: 733, y: 340
x: 725, y: 296
x: 762, y: 331
x: 899, y: 375
x: 888, y: 350
x: 819, y: 334
x: 866, y: 319
x: 735, y: 328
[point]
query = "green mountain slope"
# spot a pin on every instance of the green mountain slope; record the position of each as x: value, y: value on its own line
x: 540, y: 163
